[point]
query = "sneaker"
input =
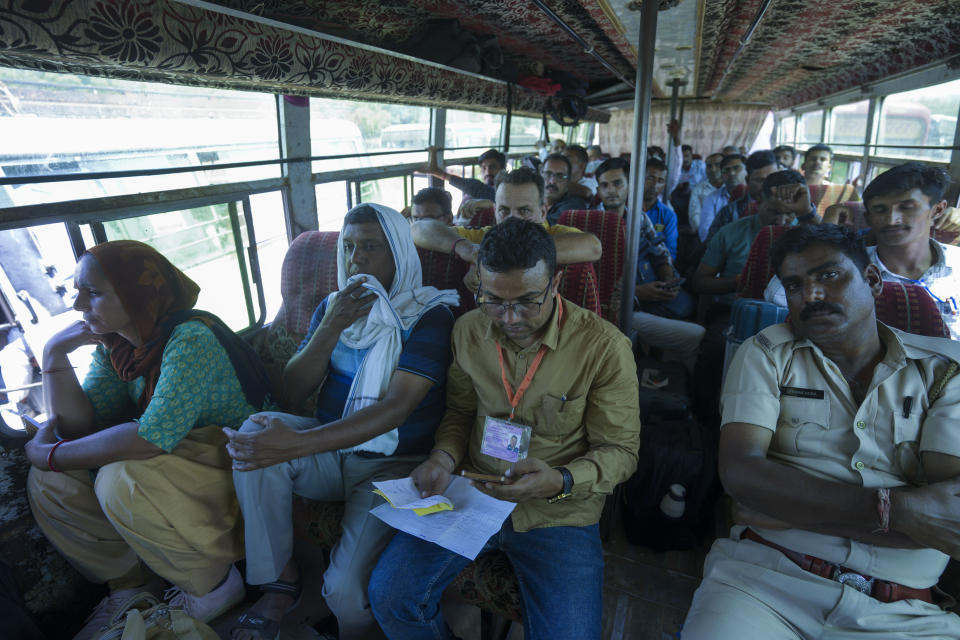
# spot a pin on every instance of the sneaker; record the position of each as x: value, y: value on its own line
x: 224, y: 597
x: 108, y: 607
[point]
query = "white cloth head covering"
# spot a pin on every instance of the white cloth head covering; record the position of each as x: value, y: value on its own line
x: 381, y: 330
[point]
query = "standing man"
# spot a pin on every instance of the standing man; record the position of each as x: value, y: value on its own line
x: 376, y: 353
x: 817, y: 165
x: 542, y: 363
x: 839, y: 448
x: 902, y: 204
x: 557, y: 172
x: 663, y: 218
x: 491, y: 162
x: 700, y: 192
x: 733, y: 169
x: 653, y: 324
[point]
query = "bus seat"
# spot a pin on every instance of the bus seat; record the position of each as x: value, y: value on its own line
x: 757, y: 271
x: 612, y: 232
x: 579, y: 286
x: 308, y: 275
x: 446, y: 271
x: 483, y: 218
x: 910, y: 308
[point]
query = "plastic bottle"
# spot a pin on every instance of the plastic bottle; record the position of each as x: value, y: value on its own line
x: 674, y: 501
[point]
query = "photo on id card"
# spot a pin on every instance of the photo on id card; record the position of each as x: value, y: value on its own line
x: 505, y: 440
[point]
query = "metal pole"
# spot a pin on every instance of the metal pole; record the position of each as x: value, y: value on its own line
x: 638, y: 157
x: 869, y: 136
x: 674, y: 99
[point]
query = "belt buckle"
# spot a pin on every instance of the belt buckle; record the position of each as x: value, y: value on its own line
x: 855, y: 580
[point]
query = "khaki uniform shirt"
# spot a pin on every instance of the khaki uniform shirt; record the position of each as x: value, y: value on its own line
x: 595, y: 432
x: 785, y: 384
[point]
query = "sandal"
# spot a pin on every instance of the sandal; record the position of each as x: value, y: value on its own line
x: 267, y: 628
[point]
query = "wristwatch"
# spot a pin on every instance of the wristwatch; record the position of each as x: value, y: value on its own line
x: 567, y: 490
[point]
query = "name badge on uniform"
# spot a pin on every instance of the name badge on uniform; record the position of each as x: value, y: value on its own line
x: 799, y: 392
x: 505, y: 440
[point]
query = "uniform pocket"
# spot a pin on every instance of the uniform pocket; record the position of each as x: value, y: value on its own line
x: 558, y: 416
x: 906, y: 440
x: 802, y: 425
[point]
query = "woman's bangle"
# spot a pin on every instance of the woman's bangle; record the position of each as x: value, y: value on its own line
x: 50, y: 457
x: 453, y: 249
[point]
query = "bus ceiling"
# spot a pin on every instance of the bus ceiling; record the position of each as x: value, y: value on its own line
x: 779, y: 53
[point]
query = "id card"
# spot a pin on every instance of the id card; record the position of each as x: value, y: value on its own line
x: 505, y: 440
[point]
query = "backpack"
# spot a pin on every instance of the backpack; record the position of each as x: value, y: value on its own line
x: 159, y: 621
x: 671, y: 452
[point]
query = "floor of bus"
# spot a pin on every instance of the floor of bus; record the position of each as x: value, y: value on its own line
x: 645, y: 597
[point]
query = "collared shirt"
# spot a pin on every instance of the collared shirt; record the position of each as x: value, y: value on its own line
x: 711, y: 207
x: 569, y: 202
x: 697, y: 196
x: 941, y: 280
x: 665, y: 223
x: 740, y: 208
x: 475, y: 234
x: 729, y: 248
x: 786, y: 384
x: 581, y: 405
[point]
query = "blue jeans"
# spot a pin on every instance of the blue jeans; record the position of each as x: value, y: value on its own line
x: 559, y: 569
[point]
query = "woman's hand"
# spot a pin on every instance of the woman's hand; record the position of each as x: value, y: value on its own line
x: 69, y: 339
x: 38, y: 447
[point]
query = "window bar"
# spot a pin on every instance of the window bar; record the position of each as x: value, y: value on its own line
x: 242, y: 262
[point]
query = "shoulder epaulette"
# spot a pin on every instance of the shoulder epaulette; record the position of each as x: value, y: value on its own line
x: 775, y: 335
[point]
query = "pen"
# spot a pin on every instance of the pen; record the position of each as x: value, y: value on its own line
x: 563, y: 401
x: 907, y: 406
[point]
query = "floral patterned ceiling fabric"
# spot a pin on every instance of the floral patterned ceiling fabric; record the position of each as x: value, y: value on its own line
x: 525, y: 34
x: 167, y: 41
x: 806, y: 49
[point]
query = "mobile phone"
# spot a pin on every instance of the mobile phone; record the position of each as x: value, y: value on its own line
x: 674, y: 284
x: 29, y: 420
x: 483, y: 477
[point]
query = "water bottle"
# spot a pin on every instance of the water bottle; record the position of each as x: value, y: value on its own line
x: 673, y: 502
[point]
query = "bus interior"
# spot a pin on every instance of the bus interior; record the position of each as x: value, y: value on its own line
x: 218, y: 131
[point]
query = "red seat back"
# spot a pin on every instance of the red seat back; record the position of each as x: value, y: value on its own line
x: 610, y: 228
x: 910, y: 308
x: 446, y: 271
x: 308, y: 275
x: 757, y: 271
x: 579, y: 285
x: 484, y: 218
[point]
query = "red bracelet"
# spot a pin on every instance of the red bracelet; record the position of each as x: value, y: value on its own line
x: 50, y: 457
x: 883, y: 510
x: 453, y: 249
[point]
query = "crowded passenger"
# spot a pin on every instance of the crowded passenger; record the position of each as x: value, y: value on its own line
x: 839, y: 449
x: 432, y: 204
x: 786, y: 156
x: 579, y: 184
x: 713, y: 182
x: 164, y: 379
x: 520, y: 194
x: 576, y: 387
x: 817, y: 165
x: 491, y: 163
x: 376, y: 353
x: 663, y: 218
x: 595, y: 156
x: 760, y: 164
x: 733, y: 170
x: 660, y: 302
x: 556, y: 172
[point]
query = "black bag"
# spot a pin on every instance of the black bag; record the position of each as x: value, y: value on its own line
x: 672, y: 452
x: 443, y: 40
x: 664, y: 393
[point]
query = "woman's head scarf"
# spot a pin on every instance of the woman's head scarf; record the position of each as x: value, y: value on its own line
x: 158, y: 296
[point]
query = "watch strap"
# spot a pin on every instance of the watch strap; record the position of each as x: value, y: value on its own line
x: 567, y: 490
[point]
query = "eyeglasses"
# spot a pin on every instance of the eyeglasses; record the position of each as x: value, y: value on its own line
x: 525, y: 309
x: 550, y: 175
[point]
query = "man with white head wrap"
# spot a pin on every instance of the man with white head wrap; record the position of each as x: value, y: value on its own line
x: 378, y: 351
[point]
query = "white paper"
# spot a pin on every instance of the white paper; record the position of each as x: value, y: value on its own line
x: 475, y: 518
x: 403, y: 494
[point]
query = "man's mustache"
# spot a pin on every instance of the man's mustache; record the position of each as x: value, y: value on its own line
x: 817, y: 307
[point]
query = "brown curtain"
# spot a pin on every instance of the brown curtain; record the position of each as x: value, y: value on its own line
x: 706, y: 128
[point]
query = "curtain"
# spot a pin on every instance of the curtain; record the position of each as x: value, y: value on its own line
x: 175, y: 43
x: 707, y: 128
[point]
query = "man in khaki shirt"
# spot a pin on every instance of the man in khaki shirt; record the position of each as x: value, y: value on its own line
x: 567, y: 375
x: 839, y: 447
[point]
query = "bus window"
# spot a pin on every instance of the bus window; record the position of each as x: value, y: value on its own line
x: 340, y: 127
x: 809, y: 128
x: 848, y: 127
x: 469, y: 133
x: 914, y: 119
x: 786, y: 134
x: 524, y: 133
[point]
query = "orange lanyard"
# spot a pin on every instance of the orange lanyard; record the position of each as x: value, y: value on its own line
x: 514, y: 397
